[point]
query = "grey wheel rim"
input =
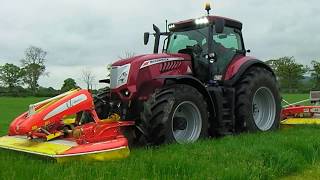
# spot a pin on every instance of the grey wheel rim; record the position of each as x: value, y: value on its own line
x: 264, y: 109
x: 186, y: 122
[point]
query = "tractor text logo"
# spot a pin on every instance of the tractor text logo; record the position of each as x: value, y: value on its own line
x: 69, y: 104
x: 160, y: 60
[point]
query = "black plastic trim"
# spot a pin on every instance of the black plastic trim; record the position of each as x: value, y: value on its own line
x: 104, y: 81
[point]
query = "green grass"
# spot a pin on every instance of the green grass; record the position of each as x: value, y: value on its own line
x: 292, y: 98
x: 11, y: 107
x: 311, y: 173
x: 247, y: 156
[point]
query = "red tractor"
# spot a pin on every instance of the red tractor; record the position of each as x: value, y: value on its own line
x: 202, y: 84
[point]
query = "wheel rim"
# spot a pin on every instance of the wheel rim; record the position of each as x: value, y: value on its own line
x: 186, y: 122
x: 264, y: 108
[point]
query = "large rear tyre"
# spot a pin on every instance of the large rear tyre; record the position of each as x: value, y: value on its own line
x: 101, y: 103
x: 175, y: 114
x: 258, y: 102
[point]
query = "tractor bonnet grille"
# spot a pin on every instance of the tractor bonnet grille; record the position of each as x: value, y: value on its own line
x: 171, y: 65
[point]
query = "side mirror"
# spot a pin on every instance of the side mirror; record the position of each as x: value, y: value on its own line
x: 219, y: 25
x: 146, y: 38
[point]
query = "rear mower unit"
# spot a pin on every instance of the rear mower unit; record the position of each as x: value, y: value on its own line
x: 294, y: 114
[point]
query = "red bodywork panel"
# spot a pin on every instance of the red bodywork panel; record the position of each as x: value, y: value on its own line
x: 211, y: 19
x: 235, y: 65
x: 296, y: 111
x: 147, y: 77
x: 100, y: 131
x: 114, y: 144
x: 52, y: 115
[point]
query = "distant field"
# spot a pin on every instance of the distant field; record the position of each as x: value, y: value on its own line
x: 247, y: 156
x: 11, y: 107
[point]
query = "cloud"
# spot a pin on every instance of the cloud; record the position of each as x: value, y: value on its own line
x: 81, y: 33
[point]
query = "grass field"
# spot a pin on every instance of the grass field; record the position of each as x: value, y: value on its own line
x: 248, y: 156
x: 292, y: 98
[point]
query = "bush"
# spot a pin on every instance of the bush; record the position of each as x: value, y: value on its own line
x: 47, y: 92
x: 23, y: 92
x: 15, y: 92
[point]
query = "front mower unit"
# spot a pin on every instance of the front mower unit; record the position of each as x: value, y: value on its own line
x: 53, y: 128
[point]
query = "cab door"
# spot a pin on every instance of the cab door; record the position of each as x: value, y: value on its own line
x: 225, y: 46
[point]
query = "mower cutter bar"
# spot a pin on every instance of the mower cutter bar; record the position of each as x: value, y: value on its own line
x: 63, y: 150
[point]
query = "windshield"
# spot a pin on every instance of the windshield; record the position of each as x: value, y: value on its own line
x: 181, y: 40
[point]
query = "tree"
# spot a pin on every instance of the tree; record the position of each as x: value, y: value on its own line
x: 288, y: 71
x: 34, y: 66
x: 69, y: 84
x: 11, y: 75
x: 315, y: 75
x: 88, y: 78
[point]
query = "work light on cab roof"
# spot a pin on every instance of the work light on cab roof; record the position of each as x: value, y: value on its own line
x: 200, y: 21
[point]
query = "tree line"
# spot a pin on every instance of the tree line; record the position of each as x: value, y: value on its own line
x: 294, y: 77
x: 32, y: 67
x: 23, y: 80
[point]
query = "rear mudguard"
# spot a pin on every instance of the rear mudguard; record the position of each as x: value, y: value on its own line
x: 237, y: 68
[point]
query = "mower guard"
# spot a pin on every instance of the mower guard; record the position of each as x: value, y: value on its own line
x: 65, y: 150
x: 52, y: 128
x: 295, y: 114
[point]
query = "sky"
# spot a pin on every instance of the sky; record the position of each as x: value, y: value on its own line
x: 90, y: 34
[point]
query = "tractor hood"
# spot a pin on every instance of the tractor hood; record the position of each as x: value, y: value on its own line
x: 132, y: 72
x: 138, y: 60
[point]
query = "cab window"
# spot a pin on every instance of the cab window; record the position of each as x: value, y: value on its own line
x: 179, y: 42
x: 229, y: 39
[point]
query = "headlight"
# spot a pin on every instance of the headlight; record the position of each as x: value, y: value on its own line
x: 123, y: 78
x: 119, y: 76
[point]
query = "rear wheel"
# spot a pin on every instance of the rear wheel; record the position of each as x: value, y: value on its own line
x: 258, y: 103
x: 175, y: 114
x: 101, y: 104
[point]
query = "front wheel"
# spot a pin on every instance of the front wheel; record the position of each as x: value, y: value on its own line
x: 258, y: 102
x: 175, y: 114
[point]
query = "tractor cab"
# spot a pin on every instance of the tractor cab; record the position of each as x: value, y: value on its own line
x: 212, y: 41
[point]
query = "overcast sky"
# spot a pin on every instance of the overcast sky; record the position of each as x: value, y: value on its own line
x: 90, y: 34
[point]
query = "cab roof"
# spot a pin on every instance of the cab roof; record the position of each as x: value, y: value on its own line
x: 186, y: 24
